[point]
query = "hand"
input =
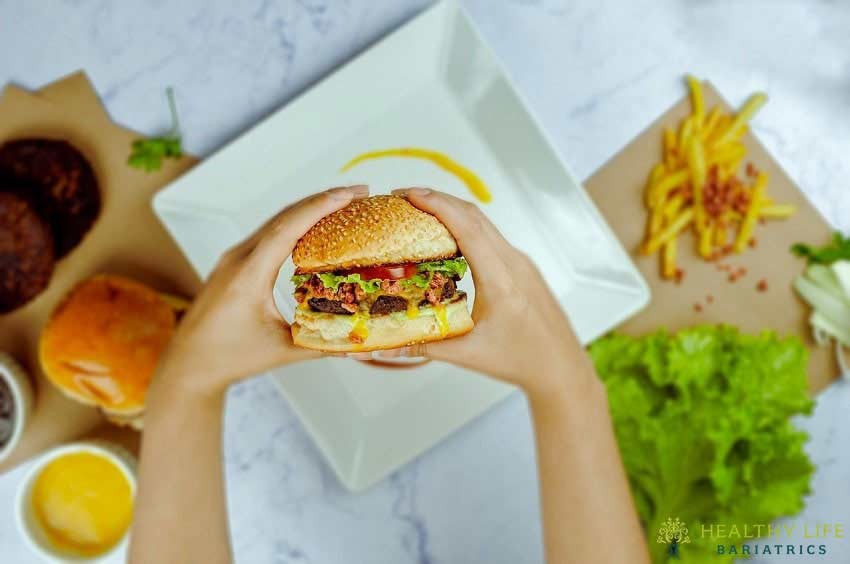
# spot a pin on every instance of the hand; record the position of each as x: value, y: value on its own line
x: 521, y: 334
x: 234, y: 329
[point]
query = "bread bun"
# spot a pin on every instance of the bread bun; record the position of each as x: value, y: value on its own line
x: 373, y: 231
x: 102, y: 344
x: 330, y: 332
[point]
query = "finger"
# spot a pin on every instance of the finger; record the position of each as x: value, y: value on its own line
x: 279, y: 236
x: 243, y: 248
x: 455, y: 350
x: 360, y: 356
x: 476, y: 220
x: 476, y: 236
x: 391, y: 353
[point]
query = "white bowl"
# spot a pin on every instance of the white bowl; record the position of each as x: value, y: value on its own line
x: 28, y: 525
x: 22, y: 399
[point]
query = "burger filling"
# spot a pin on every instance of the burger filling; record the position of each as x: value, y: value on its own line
x: 380, y: 290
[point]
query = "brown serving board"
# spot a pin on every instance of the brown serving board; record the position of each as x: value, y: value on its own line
x: 127, y: 239
x: 618, y: 190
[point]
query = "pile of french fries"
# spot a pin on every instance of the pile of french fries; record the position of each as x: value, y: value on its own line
x: 696, y: 185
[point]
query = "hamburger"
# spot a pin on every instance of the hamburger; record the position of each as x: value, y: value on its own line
x: 377, y: 274
x: 102, y: 344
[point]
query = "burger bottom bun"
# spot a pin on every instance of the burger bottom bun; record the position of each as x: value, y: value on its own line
x: 329, y: 332
x: 131, y: 417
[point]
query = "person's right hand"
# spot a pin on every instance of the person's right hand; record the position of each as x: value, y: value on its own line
x: 521, y: 334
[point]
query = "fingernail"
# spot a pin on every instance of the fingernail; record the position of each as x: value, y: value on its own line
x: 359, y: 190
x: 341, y: 194
x: 412, y: 192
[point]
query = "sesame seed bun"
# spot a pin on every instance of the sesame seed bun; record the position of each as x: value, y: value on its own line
x: 373, y: 231
x: 329, y: 332
x: 102, y: 344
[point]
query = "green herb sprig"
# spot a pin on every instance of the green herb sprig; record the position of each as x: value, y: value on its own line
x: 838, y: 249
x: 147, y: 154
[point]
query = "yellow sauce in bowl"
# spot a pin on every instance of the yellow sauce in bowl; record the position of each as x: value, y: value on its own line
x: 475, y: 185
x: 83, y: 502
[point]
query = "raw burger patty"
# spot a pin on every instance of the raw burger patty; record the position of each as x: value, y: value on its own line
x: 60, y: 183
x: 26, y: 252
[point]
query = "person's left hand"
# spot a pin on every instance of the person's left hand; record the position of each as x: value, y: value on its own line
x: 233, y: 329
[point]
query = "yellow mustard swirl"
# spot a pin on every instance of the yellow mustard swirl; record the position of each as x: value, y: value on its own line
x: 475, y: 185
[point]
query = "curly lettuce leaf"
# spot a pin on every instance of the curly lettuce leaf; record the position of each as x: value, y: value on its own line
x: 455, y: 267
x: 450, y: 267
x: 333, y: 281
x: 299, y: 279
x: 702, y: 418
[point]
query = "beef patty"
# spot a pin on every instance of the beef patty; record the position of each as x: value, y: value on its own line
x: 388, y: 304
x: 328, y: 306
x: 26, y: 252
x: 383, y: 304
x: 60, y: 183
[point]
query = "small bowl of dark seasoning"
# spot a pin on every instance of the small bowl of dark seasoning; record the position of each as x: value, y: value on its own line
x: 16, y: 401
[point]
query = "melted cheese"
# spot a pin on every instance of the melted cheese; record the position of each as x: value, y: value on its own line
x: 412, y: 310
x: 473, y: 183
x: 442, y: 319
x: 359, y: 331
x: 83, y: 502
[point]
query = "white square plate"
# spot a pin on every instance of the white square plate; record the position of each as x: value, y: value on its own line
x: 432, y: 84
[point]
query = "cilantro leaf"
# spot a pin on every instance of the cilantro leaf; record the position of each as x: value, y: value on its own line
x: 147, y: 154
x: 838, y: 249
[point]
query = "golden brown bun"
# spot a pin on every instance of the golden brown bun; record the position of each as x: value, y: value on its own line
x: 329, y: 332
x: 102, y: 344
x: 373, y: 231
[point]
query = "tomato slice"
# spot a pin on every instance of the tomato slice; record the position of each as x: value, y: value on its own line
x: 385, y: 272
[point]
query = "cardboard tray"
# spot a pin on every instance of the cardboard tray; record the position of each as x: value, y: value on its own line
x: 127, y: 239
x: 618, y: 190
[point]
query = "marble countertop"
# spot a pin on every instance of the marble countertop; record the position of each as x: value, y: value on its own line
x: 595, y: 72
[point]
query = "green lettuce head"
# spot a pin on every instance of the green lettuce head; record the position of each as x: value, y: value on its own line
x: 702, y: 418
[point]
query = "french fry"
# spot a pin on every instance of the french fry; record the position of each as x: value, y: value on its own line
x: 697, y: 103
x: 706, y: 238
x: 668, y: 259
x: 777, y: 211
x: 723, y: 123
x: 696, y: 163
x: 669, y: 148
x: 732, y: 216
x: 752, y: 215
x: 685, y: 132
x: 668, y: 182
x: 656, y: 220
x: 753, y: 104
x: 670, y: 231
x: 720, y: 233
x: 710, y: 123
x: 654, y: 178
x: 671, y: 206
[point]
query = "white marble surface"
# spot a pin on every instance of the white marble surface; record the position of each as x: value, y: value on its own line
x: 594, y: 71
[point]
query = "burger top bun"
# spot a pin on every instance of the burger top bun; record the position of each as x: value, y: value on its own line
x: 102, y: 344
x: 373, y: 231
